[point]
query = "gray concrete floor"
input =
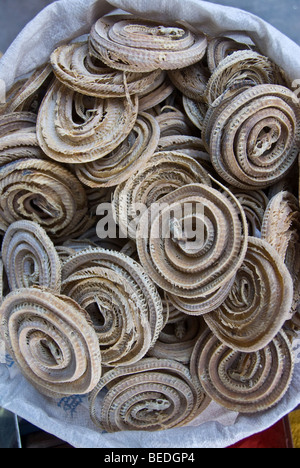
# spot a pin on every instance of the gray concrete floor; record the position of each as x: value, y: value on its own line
x: 283, y: 14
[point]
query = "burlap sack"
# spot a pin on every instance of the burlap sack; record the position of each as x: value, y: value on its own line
x: 68, y: 418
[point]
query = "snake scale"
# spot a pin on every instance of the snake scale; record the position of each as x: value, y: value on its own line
x: 193, y: 142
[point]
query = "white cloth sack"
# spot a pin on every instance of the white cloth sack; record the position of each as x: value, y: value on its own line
x: 69, y: 418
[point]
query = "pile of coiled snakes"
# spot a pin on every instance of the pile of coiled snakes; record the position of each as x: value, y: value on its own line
x: 153, y: 327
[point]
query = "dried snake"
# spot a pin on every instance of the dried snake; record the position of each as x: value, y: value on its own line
x: 16, y: 122
x: 202, y: 304
x: 253, y: 139
x: 133, y: 153
x: 242, y: 68
x: 280, y: 228
x: 165, y: 172
x: 195, y: 111
x: 186, y: 144
x: 30, y: 258
x: 173, y: 122
x: 185, y: 265
x: 177, y: 339
x: 73, y: 128
x: 244, y: 382
x: 153, y: 394
x: 259, y: 302
x: 127, y: 43
x: 27, y: 94
x: 131, y: 277
x: 119, y: 316
x: 18, y: 137
x: 161, y: 89
x: 191, y: 81
x: 74, y: 67
x: 281, y: 224
x: 219, y: 48
x: 254, y: 204
x: 52, y: 341
x: 61, y: 209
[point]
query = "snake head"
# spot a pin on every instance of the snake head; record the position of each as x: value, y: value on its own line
x: 174, y: 33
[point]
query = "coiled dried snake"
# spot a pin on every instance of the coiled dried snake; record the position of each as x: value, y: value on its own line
x: 132, y: 283
x: 30, y: 258
x: 133, y: 153
x: 244, y: 382
x: 165, y: 172
x: 74, y: 67
x: 73, y: 128
x: 253, y: 139
x: 280, y: 228
x: 208, y: 264
x: 120, y: 317
x: 154, y: 394
x: 62, y: 211
x: 259, y: 302
x: 131, y: 44
x: 52, y: 341
x: 242, y: 68
x: 219, y: 48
